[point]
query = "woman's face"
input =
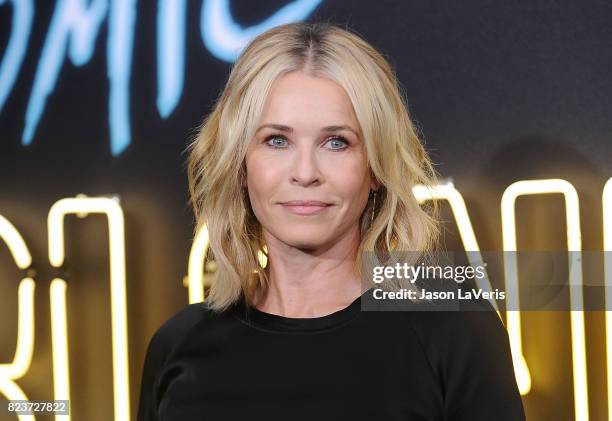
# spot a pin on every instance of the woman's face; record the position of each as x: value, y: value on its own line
x: 307, y: 147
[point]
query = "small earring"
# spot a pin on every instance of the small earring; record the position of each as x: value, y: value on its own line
x: 373, y: 208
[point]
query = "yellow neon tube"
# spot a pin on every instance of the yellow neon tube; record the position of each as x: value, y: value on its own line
x: 25, y: 318
x: 82, y: 206
x: 448, y: 192
x: 59, y: 342
x: 574, y: 244
x: 607, y: 228
x: 195, y: 277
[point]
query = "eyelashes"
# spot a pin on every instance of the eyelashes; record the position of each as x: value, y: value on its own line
x: 327, y: 140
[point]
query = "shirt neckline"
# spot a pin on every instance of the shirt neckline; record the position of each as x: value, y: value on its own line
x: 275, y: 322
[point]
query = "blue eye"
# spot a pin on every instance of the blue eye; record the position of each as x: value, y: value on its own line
x: 272, y: 142
x: 340, y: 140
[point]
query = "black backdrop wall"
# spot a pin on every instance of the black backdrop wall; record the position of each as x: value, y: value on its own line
x: 502, y: 91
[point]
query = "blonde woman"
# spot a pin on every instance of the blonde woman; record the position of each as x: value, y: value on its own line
x: 310, y: 156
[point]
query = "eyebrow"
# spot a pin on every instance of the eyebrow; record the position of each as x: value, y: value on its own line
x: 288, y: 129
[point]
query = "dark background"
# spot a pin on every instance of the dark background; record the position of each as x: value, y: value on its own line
x: 502, y: 91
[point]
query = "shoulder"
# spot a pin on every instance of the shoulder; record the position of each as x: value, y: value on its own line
x: 172, y: 331
x: 182, y: 321
x: 469, y: 353
x: 449, y: 334
x: 165, y: 339
x: 473, y: 318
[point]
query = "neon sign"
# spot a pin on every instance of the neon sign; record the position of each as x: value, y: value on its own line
x: 74, y: 29
x: 195, y: 281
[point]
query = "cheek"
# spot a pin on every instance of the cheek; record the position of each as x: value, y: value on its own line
x: 351, y: 177
x: 262, y: 180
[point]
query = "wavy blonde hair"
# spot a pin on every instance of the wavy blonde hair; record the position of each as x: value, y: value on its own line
x: 396, y: 155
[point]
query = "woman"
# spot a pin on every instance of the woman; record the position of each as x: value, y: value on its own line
x: 310, y: 155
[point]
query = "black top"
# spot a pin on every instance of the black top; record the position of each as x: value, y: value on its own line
x: 245, y: 364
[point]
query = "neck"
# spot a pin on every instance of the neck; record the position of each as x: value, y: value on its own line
x: 311, y: 283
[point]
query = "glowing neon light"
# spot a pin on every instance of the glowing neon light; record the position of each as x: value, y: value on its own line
x: 12, y: 391
x: 221, y: 35
x: 72, y: 23
x: 607, y: 229
x: 195, y: 280
x: 59, y: 342
x: 25, y: 332
x: 195, y: 276
x: 171, y: 16
x: 225, y: 39
x: 74, y: 30
x: 574, y: 244
x: 448, y: 192
x: 119, y: 54
x: 23, y: 15
x: 25, y: 319
x: 261, y: 257
x: 82, y: 206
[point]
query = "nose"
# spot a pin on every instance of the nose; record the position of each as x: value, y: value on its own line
x: 305, y: 168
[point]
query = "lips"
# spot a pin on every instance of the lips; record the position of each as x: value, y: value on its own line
x: 305, y: 203
x: 306, y: 207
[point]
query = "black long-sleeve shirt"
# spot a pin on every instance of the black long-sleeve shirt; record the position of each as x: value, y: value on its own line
x: 349, y: 365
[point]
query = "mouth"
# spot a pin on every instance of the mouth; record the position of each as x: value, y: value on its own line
x: 306, y: 207
x: 305, y: 203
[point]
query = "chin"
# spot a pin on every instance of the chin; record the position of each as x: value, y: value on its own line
x: 311, y: 246
x: 311, y: 239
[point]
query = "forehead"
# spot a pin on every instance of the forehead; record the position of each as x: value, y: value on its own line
x: 307, y: 98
